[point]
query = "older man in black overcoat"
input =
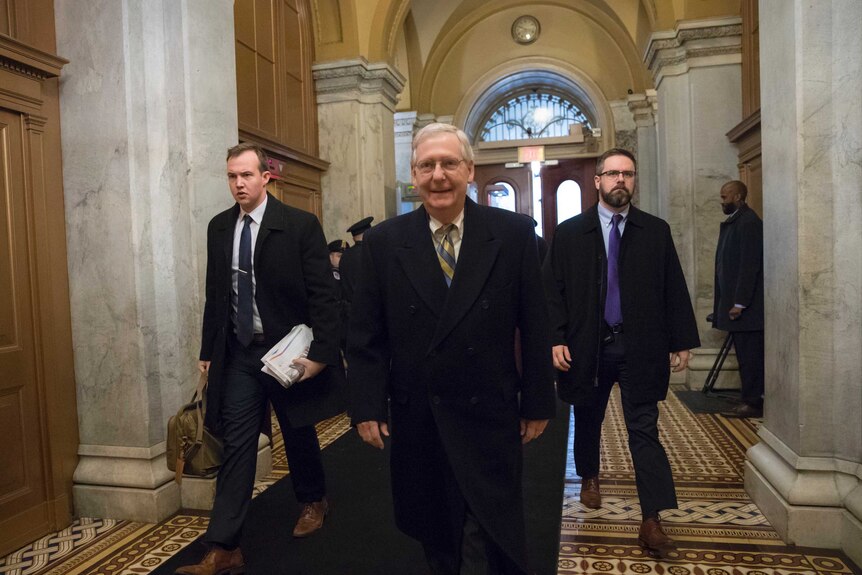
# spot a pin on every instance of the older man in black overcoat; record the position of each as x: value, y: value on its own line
x: 738, y: 297
x: 652, y: 332
x: 431, y: 340
x: 284, y: 262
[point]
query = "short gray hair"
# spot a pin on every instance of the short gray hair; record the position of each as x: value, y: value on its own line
x: 440, y: 128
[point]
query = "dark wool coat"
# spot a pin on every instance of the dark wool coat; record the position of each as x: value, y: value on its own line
x: 657, y: 312
x: 350, y: 267
x: 739, y: 272
x: 294, y: 285
x: 443, y: 360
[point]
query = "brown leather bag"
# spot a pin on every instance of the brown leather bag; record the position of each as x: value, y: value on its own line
x: 191, y: 449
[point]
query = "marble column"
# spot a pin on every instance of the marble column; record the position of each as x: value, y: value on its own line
x: 697, y: 73
x: 806, y: 472
x: 405, y: 124
x: 148, y: 109
x: 643, y: 108
x: 355, y: 110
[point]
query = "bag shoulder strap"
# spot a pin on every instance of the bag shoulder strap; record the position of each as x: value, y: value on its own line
x: 199, y: 401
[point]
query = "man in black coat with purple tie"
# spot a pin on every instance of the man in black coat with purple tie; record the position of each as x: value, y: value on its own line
x: 620, y: 312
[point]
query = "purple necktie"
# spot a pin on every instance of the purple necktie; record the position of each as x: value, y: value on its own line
x: 613, y: 309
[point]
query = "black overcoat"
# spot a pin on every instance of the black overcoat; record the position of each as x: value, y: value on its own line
x: 657, y: 312
x: 443, y: 360
x: 350, y: 268
x: 739, y: 272
x: 294, y: 285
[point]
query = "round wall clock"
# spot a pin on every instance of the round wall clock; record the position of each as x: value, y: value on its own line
x: 525, y: 29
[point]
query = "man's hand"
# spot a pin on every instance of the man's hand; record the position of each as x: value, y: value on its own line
x: 532, y: 428
x: 370, y: 432
x: 735, y: 313
x: 204, y: 366
x: 312, y: 368
x: 562, y: 357
x: 679, y: 360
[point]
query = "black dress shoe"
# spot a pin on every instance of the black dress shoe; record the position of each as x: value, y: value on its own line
x: 744, y: 410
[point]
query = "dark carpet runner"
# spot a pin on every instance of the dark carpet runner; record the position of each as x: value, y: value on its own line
x: 360, y: 537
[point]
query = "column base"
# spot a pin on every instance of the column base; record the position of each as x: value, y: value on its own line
x: 199, y: 492
x: 133, y: 484
x: 129, y: 503
x: 830, y: 526
x: 702, y: 362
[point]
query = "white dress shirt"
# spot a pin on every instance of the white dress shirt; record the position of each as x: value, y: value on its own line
x: 256, y: 217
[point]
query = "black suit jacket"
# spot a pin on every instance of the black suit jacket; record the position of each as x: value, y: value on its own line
x: 445, y: 359
x: 657, y: 312
x: 739, y: 272
x: 294, y: 285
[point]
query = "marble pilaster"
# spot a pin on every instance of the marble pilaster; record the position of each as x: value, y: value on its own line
x: 405, y: 124
x: 148, y: 107
x: 355, y: 110
x: 697, y: 72
x: 643, y: 108
x: 806, y: 473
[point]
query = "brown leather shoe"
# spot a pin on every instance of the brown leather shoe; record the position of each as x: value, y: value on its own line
x: 744, y: 410
x: 591, y: 495
x: 311, y: 518
x: 217, y: 561
x: 653, y: 538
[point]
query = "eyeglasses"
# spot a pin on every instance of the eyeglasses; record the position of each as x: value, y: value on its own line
x: 614, y: 174
x: 427, y: 167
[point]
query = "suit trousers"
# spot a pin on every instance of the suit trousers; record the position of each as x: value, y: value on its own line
x: 469, y: 549
x: 749, y: 353
x: 479, y: 554
x: 243, y: 410
x: 653, y: 475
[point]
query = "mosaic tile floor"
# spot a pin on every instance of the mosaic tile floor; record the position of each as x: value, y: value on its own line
x: 108, y: 547
x: 718, y: 528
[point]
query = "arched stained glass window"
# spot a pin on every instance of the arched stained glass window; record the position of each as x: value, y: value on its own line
x: 533, y: 115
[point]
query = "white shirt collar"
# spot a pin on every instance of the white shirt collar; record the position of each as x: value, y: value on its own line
x: 257, y: 213
x: 458, y: 222
x: 605, y: 215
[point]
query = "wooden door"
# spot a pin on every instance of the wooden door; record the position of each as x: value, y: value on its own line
x: 24, y: 506
x: 519, y: 179
x: 581, y: 171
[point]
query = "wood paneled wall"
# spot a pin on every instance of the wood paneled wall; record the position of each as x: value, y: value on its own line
x: 746, y: 135
x: 275, y: 93
x: 38, y: 414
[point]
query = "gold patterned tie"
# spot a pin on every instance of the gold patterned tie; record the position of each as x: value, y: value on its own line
x: 446, y: 252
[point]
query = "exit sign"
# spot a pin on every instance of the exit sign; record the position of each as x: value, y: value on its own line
x: 527, y: 154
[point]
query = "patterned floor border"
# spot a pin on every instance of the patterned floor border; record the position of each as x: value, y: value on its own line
x: 718, y: 529
x: 105, y: 546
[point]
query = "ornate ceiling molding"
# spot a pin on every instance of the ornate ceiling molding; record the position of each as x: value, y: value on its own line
x: 358, y: 80
x: 28, y: 61
x: 693, y: 44
x: 644, y: 108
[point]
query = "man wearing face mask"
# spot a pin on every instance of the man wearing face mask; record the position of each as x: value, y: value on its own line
x: 738, y: 302
x: 620, y: 312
